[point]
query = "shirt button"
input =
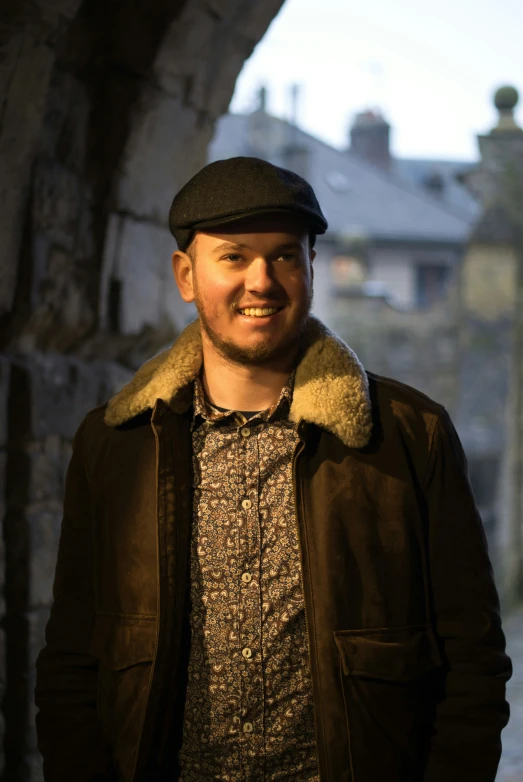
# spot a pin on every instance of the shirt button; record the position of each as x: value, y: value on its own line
x: 246, y: 577
x: 247, y: 727
x: 246, y: 504
x: 247, y: 653
x: 245, y: 431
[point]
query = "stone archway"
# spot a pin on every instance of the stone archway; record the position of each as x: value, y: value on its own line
x: 107, y: 109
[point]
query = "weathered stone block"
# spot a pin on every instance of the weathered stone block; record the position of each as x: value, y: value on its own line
x: 65, y: 125
x: 51, y: 394
x: 56, y: 11
x: 113, y: 377
x: 206, y: 35
x: 252, y: 19
x: 185, y: 45
x: 37, y: 620
x: 2, y: 663
x: 24, y: 74
x: 4, y: 397
x: 35, y: 767
x: 43, y: 534
x: 2, y: 734
x: 149, y: 293
x: 153, y: 170
x: 62, y: 312
x: 37, y: 473
x: 2, y: 693
x: 216, y: 98
x: 56, y: 202
x: 3, y: 459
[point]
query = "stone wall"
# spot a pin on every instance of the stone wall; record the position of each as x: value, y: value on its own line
x: 107, y: 110
x: 48, y: 394
x: 420, y: 348
x: 4, y: 390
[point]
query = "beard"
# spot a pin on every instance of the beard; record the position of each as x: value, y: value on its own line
x: 266, y: 351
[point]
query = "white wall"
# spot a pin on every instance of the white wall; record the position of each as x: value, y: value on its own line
x: 395, y: 269
x: 322, y: 284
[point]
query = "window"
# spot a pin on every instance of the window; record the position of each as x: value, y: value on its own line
x: 431, y: 282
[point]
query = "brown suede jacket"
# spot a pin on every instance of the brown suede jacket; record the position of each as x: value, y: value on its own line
x: 406, y: 646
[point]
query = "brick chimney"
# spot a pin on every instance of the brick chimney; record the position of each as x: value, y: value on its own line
x: 369, y: 138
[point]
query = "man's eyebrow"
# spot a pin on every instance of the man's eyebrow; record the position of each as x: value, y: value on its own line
x: 231, y: 246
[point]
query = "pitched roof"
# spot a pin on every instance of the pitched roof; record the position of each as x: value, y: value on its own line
x: 455, y: 194
x: 354, y: 195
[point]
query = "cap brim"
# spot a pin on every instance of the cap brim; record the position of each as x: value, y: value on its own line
x: 314, y: 226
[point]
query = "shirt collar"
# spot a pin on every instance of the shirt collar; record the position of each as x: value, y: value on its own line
x: 204, y: 410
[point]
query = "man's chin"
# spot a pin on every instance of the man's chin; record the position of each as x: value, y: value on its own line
x: 258, y: 350
x: 258, y: 353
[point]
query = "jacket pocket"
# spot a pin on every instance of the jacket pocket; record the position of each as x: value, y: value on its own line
x: 121, y: 641
x: 389, y: 679
x: 393, y: 654
x: 125, y: 647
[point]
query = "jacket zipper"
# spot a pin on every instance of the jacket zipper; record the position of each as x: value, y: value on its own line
x: 297, y: 454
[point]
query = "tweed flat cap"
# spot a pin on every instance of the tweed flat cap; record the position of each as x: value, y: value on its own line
x: 227, y: 190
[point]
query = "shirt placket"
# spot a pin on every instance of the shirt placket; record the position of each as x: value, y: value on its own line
x: 251, y: 672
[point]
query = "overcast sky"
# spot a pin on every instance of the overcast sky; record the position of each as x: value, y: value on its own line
x: 432, y: 67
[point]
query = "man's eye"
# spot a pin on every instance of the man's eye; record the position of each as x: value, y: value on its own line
x: 232, y: 257
x: 287, y: 257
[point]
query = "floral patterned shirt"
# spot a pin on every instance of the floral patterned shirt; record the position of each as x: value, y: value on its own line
x: 248, y: 708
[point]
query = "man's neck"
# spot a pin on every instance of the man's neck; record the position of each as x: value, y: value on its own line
x: 241, y: 387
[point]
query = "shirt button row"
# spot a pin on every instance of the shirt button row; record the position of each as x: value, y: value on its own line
x: 245, y: 431
x: 246, y: 504
x: 247, y: 727
x: 247, y: 653
x: 246, y: 577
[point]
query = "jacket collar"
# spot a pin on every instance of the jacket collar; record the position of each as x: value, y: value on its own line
x: 331, y: 388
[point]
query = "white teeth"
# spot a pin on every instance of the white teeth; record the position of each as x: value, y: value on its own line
x: 258, y: 312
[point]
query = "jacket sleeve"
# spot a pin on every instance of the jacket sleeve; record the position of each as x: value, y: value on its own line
x: 68, y: 733
x: 466, y: 742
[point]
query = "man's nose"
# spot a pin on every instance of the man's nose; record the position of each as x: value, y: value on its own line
x: 260, y: 275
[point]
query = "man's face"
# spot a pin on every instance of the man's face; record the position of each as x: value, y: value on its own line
x: 261, y: 263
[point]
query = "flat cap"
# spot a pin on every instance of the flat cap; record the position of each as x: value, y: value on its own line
x: 227, y: 190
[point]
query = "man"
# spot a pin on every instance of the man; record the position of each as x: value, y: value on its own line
x: 271, y: 566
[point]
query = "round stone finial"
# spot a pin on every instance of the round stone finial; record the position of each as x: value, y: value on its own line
x: 506, y: 98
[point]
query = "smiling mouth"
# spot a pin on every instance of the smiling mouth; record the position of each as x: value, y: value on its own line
x: 259, y: 312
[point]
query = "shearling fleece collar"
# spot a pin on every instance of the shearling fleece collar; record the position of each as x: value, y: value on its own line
x: 330, y: 389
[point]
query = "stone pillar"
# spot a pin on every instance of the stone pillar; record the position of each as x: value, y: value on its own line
x: 48, y: 396
x: 108, y: 110
x: 494, y: 264
x: 4, y: 386
x: 26, y: 62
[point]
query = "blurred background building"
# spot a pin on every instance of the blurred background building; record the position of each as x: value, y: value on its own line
x: 397, y: 228
x: 417, y: 272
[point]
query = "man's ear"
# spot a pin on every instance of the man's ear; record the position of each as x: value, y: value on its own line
x: 183, y: 275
